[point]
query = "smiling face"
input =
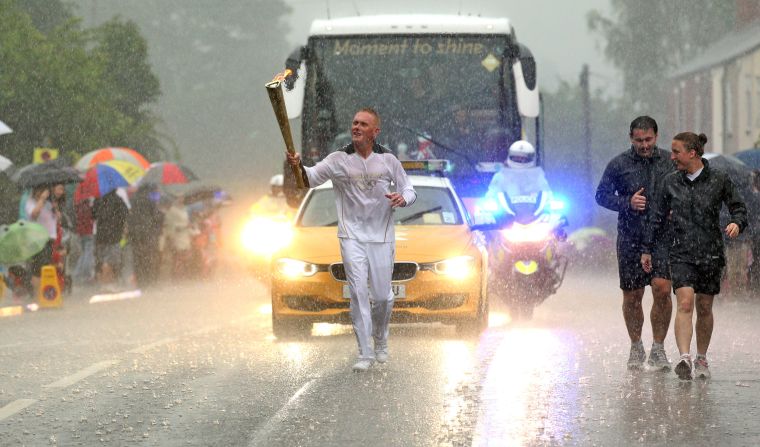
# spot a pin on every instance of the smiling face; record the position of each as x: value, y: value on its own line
x: 364, y: 129
x: 644, y: 141
x: 681, y: 155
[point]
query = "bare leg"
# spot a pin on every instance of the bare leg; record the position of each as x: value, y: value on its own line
x: 704, y: 322
x: 684, y: 318
x: 662, y: 309
x: 633, y: 313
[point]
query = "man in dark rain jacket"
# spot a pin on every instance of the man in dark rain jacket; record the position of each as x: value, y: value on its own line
x: 692, y: 198
x: 629, y: 179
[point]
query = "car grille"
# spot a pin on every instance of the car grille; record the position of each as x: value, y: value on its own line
x: 402, y: 271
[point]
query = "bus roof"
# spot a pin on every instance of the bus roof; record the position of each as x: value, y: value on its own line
x: 410, y: 24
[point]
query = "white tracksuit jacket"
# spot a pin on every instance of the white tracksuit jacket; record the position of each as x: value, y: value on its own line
x: 364, y: 213
x: 366, y: 233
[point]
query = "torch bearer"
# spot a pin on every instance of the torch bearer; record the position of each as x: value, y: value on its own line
x: 274, y: 89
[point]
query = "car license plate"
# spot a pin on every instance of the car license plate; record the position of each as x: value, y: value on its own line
x: 399, y: 291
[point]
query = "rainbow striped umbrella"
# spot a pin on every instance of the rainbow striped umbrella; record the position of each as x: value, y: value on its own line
x: 92, y: 158
x: 105, y: 177
x: 168, y: 173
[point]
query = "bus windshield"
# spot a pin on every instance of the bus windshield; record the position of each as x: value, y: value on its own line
x: 438, y: 96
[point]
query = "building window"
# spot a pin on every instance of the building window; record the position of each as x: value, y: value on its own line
x: 677, y: 107
x: 728, y: 112
x: 757, y: 102
x: 698, y: 114
x: 748, y: 98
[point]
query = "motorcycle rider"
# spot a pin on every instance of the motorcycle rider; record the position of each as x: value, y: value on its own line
x: 520, y: 176
x: 273, y: 203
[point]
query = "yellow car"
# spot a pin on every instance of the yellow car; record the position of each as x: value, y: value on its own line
x: 440, y: 271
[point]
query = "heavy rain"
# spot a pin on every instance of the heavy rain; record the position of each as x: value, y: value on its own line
x: 572, y: 189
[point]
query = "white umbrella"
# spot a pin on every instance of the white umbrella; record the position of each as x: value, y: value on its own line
x: 4, y: 129
x: 5, y: 164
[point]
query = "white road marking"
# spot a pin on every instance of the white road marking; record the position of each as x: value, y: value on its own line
x: 106, y: 297
x: 14, y: 407
x: 269, y: 427
x: 77, y: 376
x: 144, y: 348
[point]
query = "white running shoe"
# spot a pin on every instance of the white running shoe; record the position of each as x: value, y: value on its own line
x: 362, y: 365
x: 381, y: 355
x: 683, y: 368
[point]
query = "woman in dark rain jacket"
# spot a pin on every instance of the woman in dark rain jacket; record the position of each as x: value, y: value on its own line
x: 692, y: 199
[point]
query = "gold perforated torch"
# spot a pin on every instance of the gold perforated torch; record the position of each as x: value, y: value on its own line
x: 274, y: 90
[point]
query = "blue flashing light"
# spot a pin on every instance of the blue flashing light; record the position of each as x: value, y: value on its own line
x: 557, y: 203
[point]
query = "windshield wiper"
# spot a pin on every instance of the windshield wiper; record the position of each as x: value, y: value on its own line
x: 417, y: 133
x: 420, y: 214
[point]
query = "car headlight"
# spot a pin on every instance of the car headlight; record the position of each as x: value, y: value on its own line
x: 263, y: 236
x: 294, y: 268
x: 532, y: 232
x: 457, y: 268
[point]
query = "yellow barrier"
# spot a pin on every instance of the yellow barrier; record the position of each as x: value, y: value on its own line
x: 50, y: 291
x: 3, y: 288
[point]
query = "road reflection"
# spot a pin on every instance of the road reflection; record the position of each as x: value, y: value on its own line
x: 529, y: 388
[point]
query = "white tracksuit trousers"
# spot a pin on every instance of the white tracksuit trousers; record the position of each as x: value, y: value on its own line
x: 369, y: 269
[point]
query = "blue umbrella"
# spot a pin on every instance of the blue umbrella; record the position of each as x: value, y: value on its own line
x: 750, y: 156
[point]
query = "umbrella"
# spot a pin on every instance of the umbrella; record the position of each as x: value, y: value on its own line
x: 751, y: 157
x: 739, y: 172
x: 105, y: 177
x: 5, y: 164
x: 92, y: 158
x: 49, y: 173
x: 20, y: 241
x: 196, y: 191
x: 167, y: 173
x: 4, y: 129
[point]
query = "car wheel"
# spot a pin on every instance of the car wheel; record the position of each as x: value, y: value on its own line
x: 290, y: 328
x: 522, y: 311
x: 476, y: 325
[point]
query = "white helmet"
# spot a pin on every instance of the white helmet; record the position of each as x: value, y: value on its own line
x: 276, y: 183
x: 276, y: 180
x: 522, y: 154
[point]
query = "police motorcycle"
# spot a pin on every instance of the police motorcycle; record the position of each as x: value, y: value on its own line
x: 524, y: 230
x: 524, y: 234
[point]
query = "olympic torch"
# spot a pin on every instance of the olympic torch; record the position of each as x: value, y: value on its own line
x: 274, y: 89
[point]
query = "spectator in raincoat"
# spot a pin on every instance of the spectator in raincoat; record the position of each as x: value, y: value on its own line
x: 177, y: 235
x: 145, y: 223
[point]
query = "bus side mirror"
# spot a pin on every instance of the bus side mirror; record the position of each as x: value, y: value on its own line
x: 295, y: 84
x: 524, y: 72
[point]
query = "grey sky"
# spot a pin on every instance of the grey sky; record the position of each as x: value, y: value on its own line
x: 554, y: 30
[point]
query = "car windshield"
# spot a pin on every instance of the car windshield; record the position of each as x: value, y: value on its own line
x: 434, y: 206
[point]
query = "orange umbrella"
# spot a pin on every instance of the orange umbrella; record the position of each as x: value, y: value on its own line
x: 92, y: 158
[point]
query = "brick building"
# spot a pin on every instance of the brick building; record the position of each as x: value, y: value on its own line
x: 718, y: 92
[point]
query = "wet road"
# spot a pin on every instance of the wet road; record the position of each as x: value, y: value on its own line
x: 196, y: 364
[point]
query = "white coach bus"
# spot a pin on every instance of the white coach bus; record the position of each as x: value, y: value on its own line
x: 446, y: 86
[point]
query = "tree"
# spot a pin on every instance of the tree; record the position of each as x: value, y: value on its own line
x: 213, y: 59
x: 59, y: 87
x: 564, y: 143
x: 646, y: 39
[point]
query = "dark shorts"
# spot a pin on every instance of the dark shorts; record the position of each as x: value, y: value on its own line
x: 704, y: 279
x: 41, y: 259
x: 632, y: 275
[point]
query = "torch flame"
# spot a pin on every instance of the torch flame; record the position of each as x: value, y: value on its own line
x: 279, y: 78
